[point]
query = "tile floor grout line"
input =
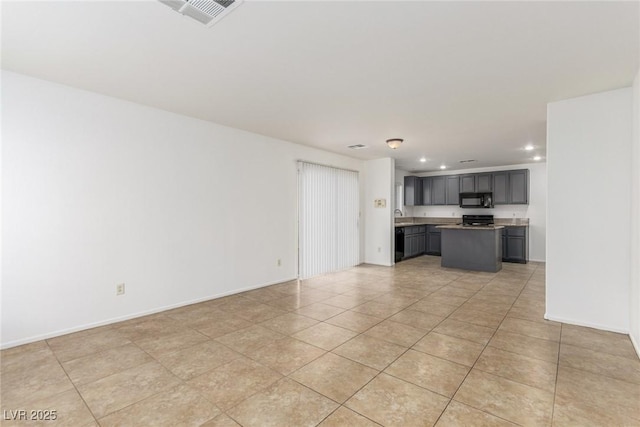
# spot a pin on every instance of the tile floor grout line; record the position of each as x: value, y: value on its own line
x: 73, y: 384
x: 407, y: 350
x: 147, y: 397
x: 477, y: 358
x: 524, y: 295
x: 555, y: 384
x: 379, y: 371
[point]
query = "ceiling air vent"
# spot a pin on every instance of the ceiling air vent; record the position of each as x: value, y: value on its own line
x: 206, y: 11
x: 357, y: 147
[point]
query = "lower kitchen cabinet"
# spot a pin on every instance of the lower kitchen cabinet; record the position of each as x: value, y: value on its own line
x: 433, y: 240
x: 515, y: 244
x: 414, y: 241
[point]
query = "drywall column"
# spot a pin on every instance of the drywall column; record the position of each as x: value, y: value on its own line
x: 589, y: 176
x: 379, y: 186
x: 634, y: 308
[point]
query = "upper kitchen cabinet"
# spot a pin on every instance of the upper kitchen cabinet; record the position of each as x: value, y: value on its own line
x: 468, y: 183
x: 519, y: 187
x: 508, y: 188
x: 453, y: 190
x: 500, y: 188
x: 426, y: 191
x: 484, y: 182
x: 511, y: 187
x: 412, y: 191
x: 438, y: 190
x: 476, y: 183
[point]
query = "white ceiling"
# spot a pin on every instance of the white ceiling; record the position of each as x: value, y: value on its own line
x: 456, y: 80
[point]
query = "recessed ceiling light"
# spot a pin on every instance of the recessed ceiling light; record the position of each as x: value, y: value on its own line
x: 529, y: 147
x: 443, y: 167
x: 423, y: 159
x: 536, y: 158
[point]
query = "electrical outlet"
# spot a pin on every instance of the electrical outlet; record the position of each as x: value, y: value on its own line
x: 120, y: 289
x: 379, y: 249
x: 279, y: 262
x: 453, y: 214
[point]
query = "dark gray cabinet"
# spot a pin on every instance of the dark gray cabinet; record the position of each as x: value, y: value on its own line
x: 453, y: 190
x: 414, y: 241
x: 476, y: 183
x: 508, y: 187
x: 412, y: 191
x: 484, y: 183
x: 500, y: 188
x: 515, y: 244
x: 426, y: 191
x: 519, y: 187
x: 433, y: 240
x: 511, y: 187
x: 468, y: 183
x: 438, y: 190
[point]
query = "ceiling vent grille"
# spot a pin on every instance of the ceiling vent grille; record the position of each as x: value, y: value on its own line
x: 357, y: 147
x: 207, y: 12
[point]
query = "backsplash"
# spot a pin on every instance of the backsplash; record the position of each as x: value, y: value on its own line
x: 500, y: 211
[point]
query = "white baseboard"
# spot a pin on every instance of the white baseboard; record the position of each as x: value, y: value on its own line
x: 586, y: 324
x: 636, y: 344
x: 60, y: 332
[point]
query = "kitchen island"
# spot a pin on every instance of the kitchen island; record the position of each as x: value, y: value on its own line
x: 476, y: 248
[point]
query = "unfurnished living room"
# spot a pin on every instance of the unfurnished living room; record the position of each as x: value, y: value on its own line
x: 333, y: 213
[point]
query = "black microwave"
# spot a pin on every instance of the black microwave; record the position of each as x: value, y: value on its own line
x: 476, y: 200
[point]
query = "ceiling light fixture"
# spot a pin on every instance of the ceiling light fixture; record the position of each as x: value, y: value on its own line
x: 394, y: 142
x: 529, y: 147
x: 536, y: 158
x: 422, y: 159
x: 443, y: 167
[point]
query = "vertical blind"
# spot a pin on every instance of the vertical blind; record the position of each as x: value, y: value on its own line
x: 328, y: 214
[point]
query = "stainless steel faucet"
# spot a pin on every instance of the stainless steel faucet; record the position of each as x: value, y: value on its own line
x: 398, y: 211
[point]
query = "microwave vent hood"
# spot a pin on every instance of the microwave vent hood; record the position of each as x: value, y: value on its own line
x: 476, y: 200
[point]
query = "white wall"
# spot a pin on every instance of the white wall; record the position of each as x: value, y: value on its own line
x: 399, y: 180
x: 98, y: 191
x: 380, y: 181
x: 634, y: 308
x: 589, y: 210
x: 535, y: 210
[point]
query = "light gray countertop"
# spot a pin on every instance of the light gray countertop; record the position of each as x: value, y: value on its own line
x: 470, y: 227
x: 417, y: 221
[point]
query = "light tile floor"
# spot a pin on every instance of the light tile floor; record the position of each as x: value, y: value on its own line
x: 411, y: 345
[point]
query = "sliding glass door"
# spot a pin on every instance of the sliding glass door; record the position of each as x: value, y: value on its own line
x: 328, y: 214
